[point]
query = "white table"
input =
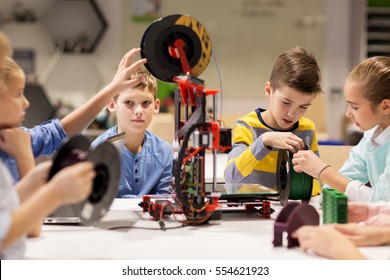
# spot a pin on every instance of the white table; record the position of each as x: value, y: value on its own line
x: 239, y: 236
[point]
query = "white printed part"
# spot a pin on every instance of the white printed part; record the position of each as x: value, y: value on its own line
x: 87, y: 211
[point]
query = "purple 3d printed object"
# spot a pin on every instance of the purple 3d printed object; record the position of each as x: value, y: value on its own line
x: 293, y: 216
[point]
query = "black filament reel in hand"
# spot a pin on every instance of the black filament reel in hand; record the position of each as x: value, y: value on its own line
x: 163, y: 40
x: 107, y: 165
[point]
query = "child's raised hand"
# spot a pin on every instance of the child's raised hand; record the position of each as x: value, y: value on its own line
x: 126, y: 68
x: 283, y: 140
x: 73, y: 183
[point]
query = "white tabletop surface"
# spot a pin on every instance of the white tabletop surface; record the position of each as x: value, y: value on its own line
x: 128, y: 233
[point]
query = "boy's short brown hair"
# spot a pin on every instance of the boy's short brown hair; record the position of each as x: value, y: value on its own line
x: 149, y: 81
x: 297, y: 69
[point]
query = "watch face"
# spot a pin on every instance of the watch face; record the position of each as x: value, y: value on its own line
x: 175, y: 45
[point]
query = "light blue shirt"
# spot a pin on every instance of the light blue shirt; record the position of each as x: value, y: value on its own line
x: 46, y: 138
x: 149, y: 171
x: 369, y: 161
x: 9, y: 201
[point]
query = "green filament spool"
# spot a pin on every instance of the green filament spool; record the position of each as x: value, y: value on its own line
x: 291, y: 184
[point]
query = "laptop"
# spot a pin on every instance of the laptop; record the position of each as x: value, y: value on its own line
x: 62, y: 216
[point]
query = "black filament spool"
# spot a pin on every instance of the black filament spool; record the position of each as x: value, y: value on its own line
x: 291, y: 184
x: 107, y: 165
x: 162, y: 34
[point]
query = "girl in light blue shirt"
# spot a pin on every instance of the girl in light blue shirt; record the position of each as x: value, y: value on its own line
x: 367, y: 92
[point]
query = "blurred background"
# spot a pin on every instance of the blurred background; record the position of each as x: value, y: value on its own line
x: 69, y: 50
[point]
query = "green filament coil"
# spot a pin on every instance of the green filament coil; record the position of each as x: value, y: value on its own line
x: 291, y: 184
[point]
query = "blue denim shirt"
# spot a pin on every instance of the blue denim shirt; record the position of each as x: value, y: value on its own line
x: 46, y: 138
x: 149, y: 171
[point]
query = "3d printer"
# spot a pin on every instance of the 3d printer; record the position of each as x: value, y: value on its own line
x: 178, y: 49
